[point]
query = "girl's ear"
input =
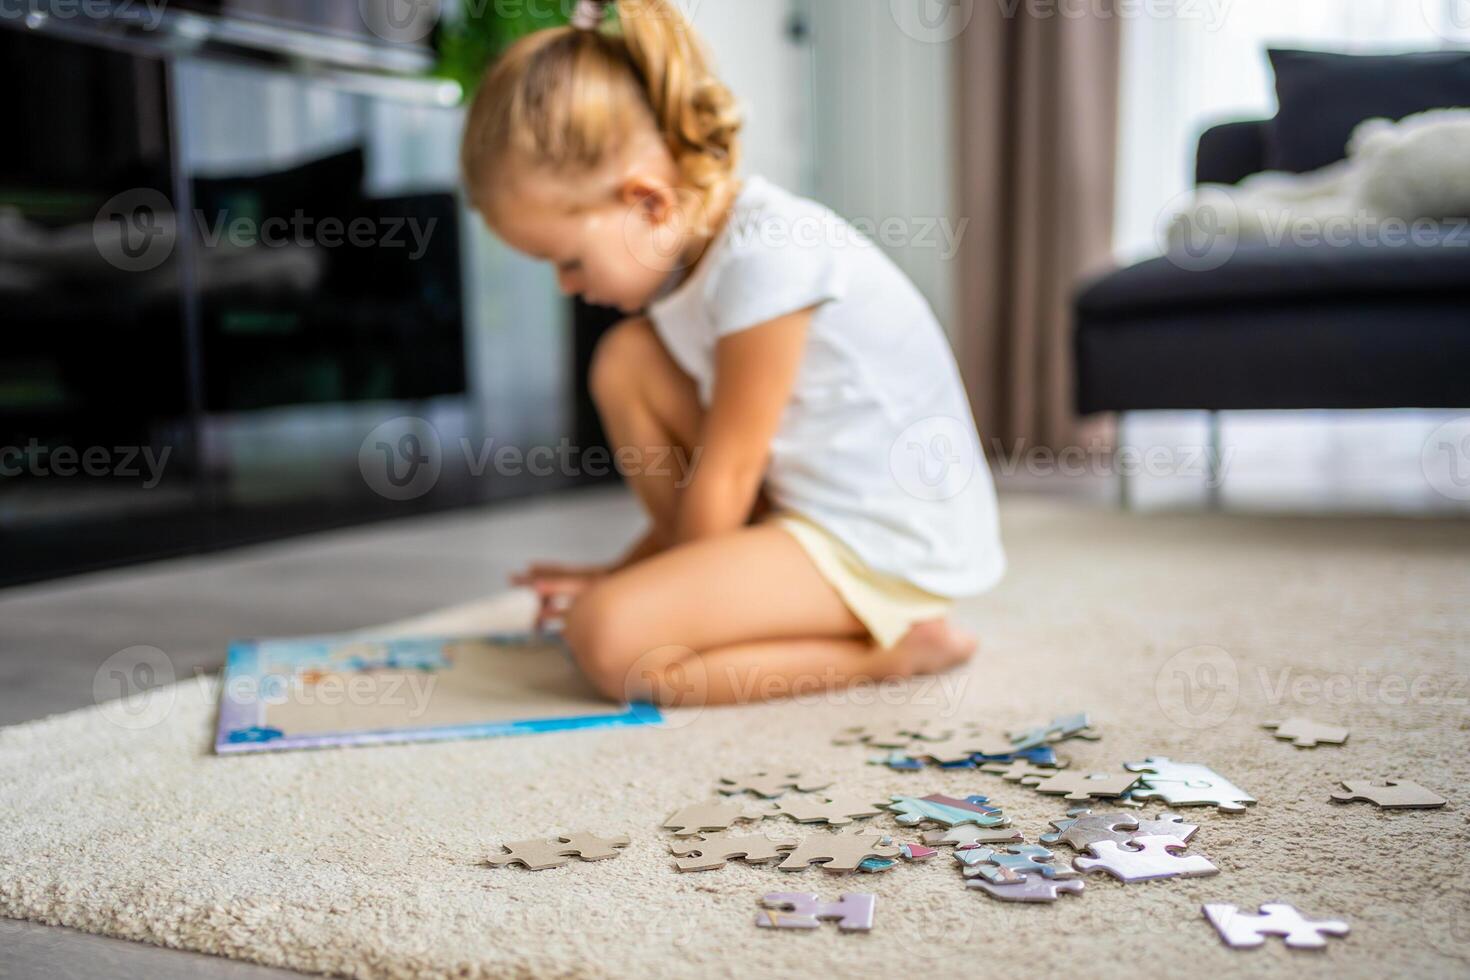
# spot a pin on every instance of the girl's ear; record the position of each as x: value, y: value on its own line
x: 654, y: 198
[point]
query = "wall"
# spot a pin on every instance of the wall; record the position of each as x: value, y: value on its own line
x: 883, y: 130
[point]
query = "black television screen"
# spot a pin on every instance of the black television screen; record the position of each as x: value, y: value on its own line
x: 392, y: 21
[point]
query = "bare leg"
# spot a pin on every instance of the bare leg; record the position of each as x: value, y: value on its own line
x: 650, y: 409
x: 763, y: 670
x: 740, y: 617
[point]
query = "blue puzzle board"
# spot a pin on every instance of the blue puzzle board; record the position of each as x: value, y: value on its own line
x: 317, y: 692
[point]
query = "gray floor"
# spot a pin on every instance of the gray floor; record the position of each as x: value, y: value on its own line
x: 55, y: 636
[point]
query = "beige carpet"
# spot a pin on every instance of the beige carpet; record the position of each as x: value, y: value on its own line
x: 369, y: 862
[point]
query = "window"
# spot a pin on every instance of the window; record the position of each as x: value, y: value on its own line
x: 1207, y: 63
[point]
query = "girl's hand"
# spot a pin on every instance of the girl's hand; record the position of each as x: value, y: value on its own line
x: 557, y: 585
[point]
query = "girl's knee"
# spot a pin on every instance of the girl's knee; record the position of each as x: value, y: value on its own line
x: 614, y: 372
x: 591, y: 630
x: 615, y: 649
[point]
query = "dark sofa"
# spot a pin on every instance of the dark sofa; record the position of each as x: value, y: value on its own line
x: 1293, y: 326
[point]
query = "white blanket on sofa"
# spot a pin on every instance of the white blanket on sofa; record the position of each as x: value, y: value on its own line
x: 1410, y: 172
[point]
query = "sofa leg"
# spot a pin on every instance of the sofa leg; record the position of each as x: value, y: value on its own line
x: 1125, y: 479
x: 1214, y: 467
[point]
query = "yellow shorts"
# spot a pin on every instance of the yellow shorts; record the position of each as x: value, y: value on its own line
x: 888, y: 606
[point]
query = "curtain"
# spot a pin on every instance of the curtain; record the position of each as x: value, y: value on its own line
x: 1037, y: 103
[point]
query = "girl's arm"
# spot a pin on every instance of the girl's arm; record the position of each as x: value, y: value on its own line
x: 755, y: 372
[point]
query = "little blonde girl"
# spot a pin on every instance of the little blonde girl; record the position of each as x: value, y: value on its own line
x: 840, y: 501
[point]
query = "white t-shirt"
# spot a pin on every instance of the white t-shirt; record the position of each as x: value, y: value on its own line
x: 877, y: 445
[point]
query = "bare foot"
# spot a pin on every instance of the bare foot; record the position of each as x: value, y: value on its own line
x: 932, y: 647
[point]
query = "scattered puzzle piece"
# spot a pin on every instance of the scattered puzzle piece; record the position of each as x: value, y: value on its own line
x: 1031, y: 888
x: 1144, y: 859
x: 1391, y: 794
x: 971, y: 834
x: 840, y: 852
x: 793, y: 910
x: 1008, y: 867
x: 553, y: 852
x: 1068, y: 726
x: 947, y: 810
x: 874, y: 865
x: 712, y: 851
x: 962, y: 749
x: 894, y: 735
x: 1083, y: 827
x: 770, y: 784
x: 1079, y: 786
x: 835, y: 809
x: 957, y: 755
x: 1020, y: 769
x: 909, y: 852
x: 1306, y: 734
x: 1037, y: 755
x: 1244, y: 929
x: 703, y: 817
x: 1187, y: 784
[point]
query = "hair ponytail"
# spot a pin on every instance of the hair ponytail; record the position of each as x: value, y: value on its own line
x: 567, y: 98
x: 696, y: 113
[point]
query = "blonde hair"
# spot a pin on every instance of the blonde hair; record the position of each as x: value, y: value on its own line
x: 567, y: 99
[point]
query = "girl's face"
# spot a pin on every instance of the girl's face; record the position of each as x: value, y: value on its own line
x: 616, y: 249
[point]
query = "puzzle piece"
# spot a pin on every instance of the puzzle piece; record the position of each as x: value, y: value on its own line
x: 540, y: 854
x: 909, y: 852
x: 962, y: 748
x: 840, y: 852
x: 1306, y: 734
x: 971, y: 834
x: 1083, y: 827
x: 770, y: 784
x: 892, y: 735
x: 1391, y: 794
x: 1144, y: 859
x: 1187, y: 784
x: 1037, y: 755
x: 1008, y: 867
x: 1244, y: 929
x: 957, y: 752
x: 1080, y: 786
x: 947, y: 810
x: 1019, y: 769
x: 834, y: 809
x: 874, y: 865
x: 712, y: 851
x: 793, y: 910
x: 702, y: 817
x: 1031, y: 888
x: 1068, y: 726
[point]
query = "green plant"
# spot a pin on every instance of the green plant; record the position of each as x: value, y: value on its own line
x: 482, y: 29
